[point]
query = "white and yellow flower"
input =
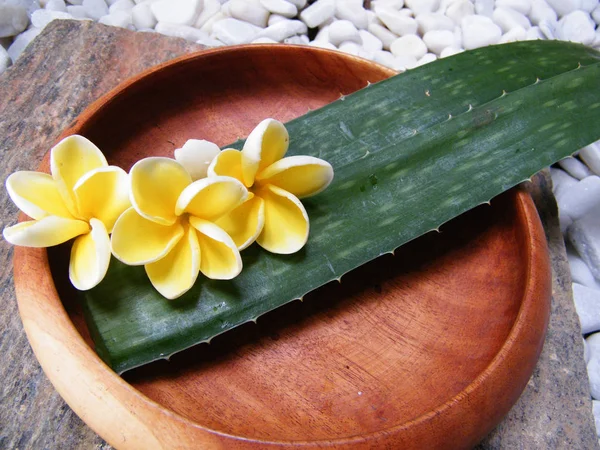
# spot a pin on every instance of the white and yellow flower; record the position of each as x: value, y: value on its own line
x: 170, y: 228
x: 82, y: 199
x: 273, y: 214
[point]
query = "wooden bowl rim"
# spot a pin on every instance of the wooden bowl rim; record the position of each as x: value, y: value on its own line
x: 533, y: 306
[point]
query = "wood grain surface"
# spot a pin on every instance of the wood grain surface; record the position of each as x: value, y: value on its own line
x: 73, y: 63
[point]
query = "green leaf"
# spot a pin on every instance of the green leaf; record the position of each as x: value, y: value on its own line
x: 409, y: 153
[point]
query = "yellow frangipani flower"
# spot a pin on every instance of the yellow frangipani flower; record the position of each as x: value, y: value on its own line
x: 273, y: 214
x: 170, y: 228
x: 82, y: 199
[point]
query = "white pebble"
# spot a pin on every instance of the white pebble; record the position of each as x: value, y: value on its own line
x: 77, y: 12
x: 209, y: 42
x: 422, y: 6
x: 4, y: 59
x: 426, y: 59
x: 411, y: 44
x: 274, y: 18
x: 404, y: 62
x: 548, y: 28
x: 449, y: 51
x: 13, y: 19
x: 596, y: 412
x: 513, y: 35
x: 142, y: 16
x: 370, y: 42
x: 383, y: 34
x: 353, y: 13
x: 394, y: 4
x: 21, y: 42
x: 372, y: 18
x: 75, y: 2
x: 42, y: 17
x: 593, y: 366
x: 397, y: 22
x: 233, y: 31
x: 95, y: 9
x: 434, y: 21
x: 574, y: 167
x: 297, y: 40
x: 540, y: 10
x: 508, y: 19
x: 586, y: 352
x: 479, y: 31
x: 121, y: 5
x: 534, y: 33
x: 298, y: 3
x: 350, y: 47
x: 250, y: 12
x: 282, y: 30
x: 577, y: 27
x: 181, y: 12
x: 280, y: 7
x: 195, y: 156
x: 120, y: 18
x: 581, y: 198
x: 458, y: 10
x: 484, y: 7
x: 323, y: 44
x: 587, y: 304
x: 437, y: 40
x: 584, y: 235
x: 56, y: 5
x: 318, y: 13
x: 323, y: 34
x: 588, y: 5
x: 561, y: 181
x: 580, y: 272
x: 180, y: 31
x: 385, y: 58
x: 564, y: 7
x: 343, y: 30
x: 214, y: 19
x: 264, y: 40
x: 596, y: 14
x: 522, y: 6
x: 209, y: 10
x: 591, y: 155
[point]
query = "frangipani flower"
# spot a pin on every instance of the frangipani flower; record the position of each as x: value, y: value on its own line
x: 170, y: 228
x: 82, y: 199
x: 273, y: 214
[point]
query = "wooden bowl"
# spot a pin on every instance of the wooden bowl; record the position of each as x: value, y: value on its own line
x: 427, y: 349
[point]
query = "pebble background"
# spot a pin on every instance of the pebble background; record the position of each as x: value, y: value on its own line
x: 401, y: 34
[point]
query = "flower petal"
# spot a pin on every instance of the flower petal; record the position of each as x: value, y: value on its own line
x: 46, y: 232
x: 211, y: 198
x: 286, y: 222
x: 36, y: 194
x: 302, y: 176
x: 267, y: 143
x: 245, y: 222
x: 176, y: 273
x: 70, y: 159
x: 227, y: 163
x: 90, y: 257
x: 195, y: 156
x: 221, y: 259
x: 103, y: 194
x: 156, y: 184
x: 136, y: 240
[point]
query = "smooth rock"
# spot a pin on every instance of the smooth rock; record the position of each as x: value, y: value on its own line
x: 181, y: 12
x: 404, y: 62
x: 397, y: 22
x: 372, y: 18
x: 13, y: 19
x: 43, y: 17
x: 577, y: 27
x: 437, y: 40
x: 584, y: 235
x: 458, y: 10
x: 574, y: 167
x: 581, y: 198
x: 21, y: 42
x: 77, y: 12
x: 120, y: 18
x: 318, y: 13
x: 352, y: 48
x: 426, y: 59
x: 449, y: 51
x: 142, y: 16
x: 353, y: 13
x: 250, y: 12
x: 215, y: 18
x: 596, y: 14
x: 394, y: 4
x: 588, y: 5
x: 385, y: 58
x: 297, y: 40
x: 342, y: 31
x: 95, y: 9
x: 541, y: 10
x: 274, y: 18
x: 548, y: 28
x: 434, y: 21
x: 591, y: 155
x: 56, y: 5
x: 564, y: 7
x: 513, y: 35
x: 264, y: 40
x: 411, y: 44
x: 75, y: 2
x: 283, y: 30
x: 209, y: 10
x: 4, y: 59
x: 484, y: 7
x: 422, y: 6
x: 534, y: 33
x: 370, y: 42
x: 383, y: 34
x: 280, y: 7
x: 233, y: 31
x: 561, y: 181
x: 521, y: 6
x: 210, y: 42
x: 121, y: 5
x: 323, y: 44
x: 596, y: 413
x: 587, y: 304
x: 586, y: 352
x: 298, y: 3
x: 596, y: 43
x: 479, y: 31
x: 323, y: 34
x: 580, y: 272
x: 593, y: 365
x: 508, y: 19
x: 180, y: 31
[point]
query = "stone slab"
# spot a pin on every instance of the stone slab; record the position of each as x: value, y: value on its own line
x: 71, y: 64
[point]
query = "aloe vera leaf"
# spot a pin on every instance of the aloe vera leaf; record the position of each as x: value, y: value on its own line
x: 409, y: 153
